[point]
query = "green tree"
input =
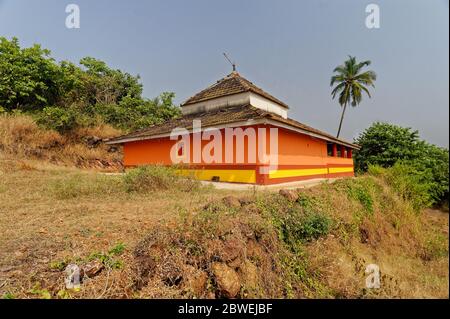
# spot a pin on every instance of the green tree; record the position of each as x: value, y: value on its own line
x: 384, y: 144
x: 350, y: 83
x: 29, y: 77
x: 63, y: 96
x: 388, y: 145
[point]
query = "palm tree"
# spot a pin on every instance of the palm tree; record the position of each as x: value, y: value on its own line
x: 351, y: 83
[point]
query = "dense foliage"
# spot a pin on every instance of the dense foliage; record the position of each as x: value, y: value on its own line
x: 423, y: 166
x: 63, y: 95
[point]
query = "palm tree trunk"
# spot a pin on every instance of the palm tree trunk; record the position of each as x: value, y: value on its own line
x: 342, y: 118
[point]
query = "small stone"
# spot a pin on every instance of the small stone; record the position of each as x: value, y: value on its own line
x: 227, y: 280
x: 92, y: 141
x: 6, y: 269
x: 245, y: 201
x: 289, y: 194
x: 232, y: 202
x: 197, y: 283
x: 93, y: 268
x: 249, y: 274
x: 231, y: 250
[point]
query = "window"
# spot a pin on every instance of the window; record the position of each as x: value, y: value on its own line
x: 329, y: 149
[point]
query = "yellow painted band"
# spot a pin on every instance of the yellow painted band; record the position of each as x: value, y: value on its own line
x: 308, y: 172
x: 340, y: 170
x: 297, y: 172
x: 225, y: 175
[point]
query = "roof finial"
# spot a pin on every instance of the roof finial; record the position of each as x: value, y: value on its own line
x: 229, y: 60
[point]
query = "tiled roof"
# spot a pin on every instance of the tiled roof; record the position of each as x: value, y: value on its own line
x: 233, y: 83
x: 219, y: 117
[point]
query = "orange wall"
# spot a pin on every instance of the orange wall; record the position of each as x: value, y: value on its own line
x: 293, y: 149
x: 300, y: 149
x: 157, y: 151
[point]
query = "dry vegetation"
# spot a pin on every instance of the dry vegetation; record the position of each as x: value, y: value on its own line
x: 178, y: 239
x: 150, y: 234
x: 21, y: 138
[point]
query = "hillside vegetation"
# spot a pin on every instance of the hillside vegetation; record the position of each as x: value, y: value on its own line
x: 164, y: 241
x: 64, y: 96
x: 22, y: 139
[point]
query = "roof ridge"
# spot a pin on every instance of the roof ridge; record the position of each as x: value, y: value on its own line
x: 236, y: 84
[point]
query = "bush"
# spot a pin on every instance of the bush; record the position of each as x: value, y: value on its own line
x: 409, y: 183
x: 298, y: 222
x: 77, y: 185
x: 385, y: 144
x: 157, y: 177
x: 313, y: 226
x: 58, y: 119
x: 78, y: 95
x: 360, y: 190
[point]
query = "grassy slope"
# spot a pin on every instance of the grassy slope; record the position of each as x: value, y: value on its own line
x: 316, y: 246
x: 21, y: 138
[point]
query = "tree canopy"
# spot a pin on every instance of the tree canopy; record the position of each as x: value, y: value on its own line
x: 388, y: 145
x: 351, y: 82
x: 65, y: 95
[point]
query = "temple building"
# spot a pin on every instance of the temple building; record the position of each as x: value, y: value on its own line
x: 233, y: 131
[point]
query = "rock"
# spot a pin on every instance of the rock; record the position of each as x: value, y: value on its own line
x: 289, y: 194
x: 93, y: 268
x: 249, y: 274
x: 231, y: 250
x: 245, y: 201
x: 92, y: 141
x: 197, y: 283
x: 227, y: 280
x: 6, y: 269
x: 364, y: 234
x: 254, y: 250
x: 113, y: 149
x: 231, y: 202
x: 210, y: 295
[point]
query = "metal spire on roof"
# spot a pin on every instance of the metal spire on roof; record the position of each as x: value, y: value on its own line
x: 229, y: 60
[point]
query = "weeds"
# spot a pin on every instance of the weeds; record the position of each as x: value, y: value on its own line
x: 40, y: 293
x: 109, y: 259
x: 142, y: 180
x: 157, y: 177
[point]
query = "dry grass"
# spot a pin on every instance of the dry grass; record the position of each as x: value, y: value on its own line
x: 174, y: 233
x: 410, y: 248
x: 21, y: 138
x: 50, y: 216
x: 43, y: 221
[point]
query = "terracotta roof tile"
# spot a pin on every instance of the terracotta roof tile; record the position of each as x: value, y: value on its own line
x: 218, y: 117
x: 233, y: 83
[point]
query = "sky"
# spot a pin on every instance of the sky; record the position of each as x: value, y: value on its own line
x: 289, y: 48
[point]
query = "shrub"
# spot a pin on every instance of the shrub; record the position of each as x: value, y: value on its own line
x: 157, y: 177
x: 385, y: 144
x: 79, y: 95
x: 409, y: 183
x: 109, y: 259
x: 77, y: 185
x: 360, y: 190
x: 299, y: 222
x: 58, y: 119
x: 313, y: 226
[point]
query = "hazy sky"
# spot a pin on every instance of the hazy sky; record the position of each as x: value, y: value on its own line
x: 289, y: 48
